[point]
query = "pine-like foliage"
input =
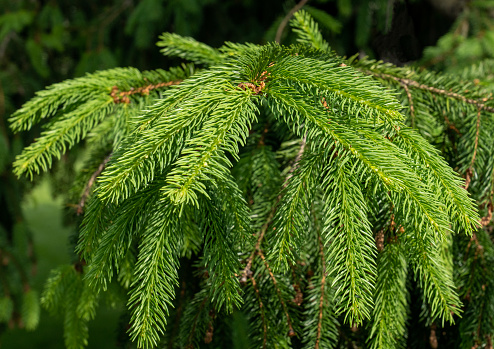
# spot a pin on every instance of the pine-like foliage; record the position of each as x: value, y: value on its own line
x: 299, y: 187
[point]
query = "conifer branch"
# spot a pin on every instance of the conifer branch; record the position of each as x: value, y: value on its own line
x: 291, y: 332
x: 189, y: 49
x: 247, y: 270
x: 203, y: 158
x: 122, y: 96
x: 167, y: 190
x: 272, y: 212
x: 156, y: 277
x: 308, y: 32
x: 389, y: 314
x: 480, y: 104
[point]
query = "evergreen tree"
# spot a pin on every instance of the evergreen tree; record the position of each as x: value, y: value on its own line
x: 287, y: 186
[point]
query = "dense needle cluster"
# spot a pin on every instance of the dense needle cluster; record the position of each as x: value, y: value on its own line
x: 282, y: 183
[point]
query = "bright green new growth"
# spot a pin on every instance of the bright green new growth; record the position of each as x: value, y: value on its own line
x: 167, y: 192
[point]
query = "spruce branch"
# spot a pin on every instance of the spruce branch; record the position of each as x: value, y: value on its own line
x: 122, y: 96
x: 247, y: 270
x: 459, y: 205
x: 434, y: 277
x: 114, y: 243
x: 320, y: 325
x: 351, y: 247
x: 153, y: 288
x: 390, y: 311
x: 167, y: 194
x: 409, y: 83
x: 158, y: 140
x: 221, y: 260
x: 189, y: 49
x: 291, y: 332
x: 64, y: 134
x: 203, y: 157
x: 291, y: 215
x: 272, y: 213
x: 307, y: 31
x: 77, y: 107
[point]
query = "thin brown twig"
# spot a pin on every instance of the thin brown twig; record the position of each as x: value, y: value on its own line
x: 412, y: 83
x: 451, y: 125
x: 433, y: 337
x: 89, y: 185
x: 285, y: 20
x: 261, y: 306
x: 123, y: 96
x: 245, y: 273
x: 321, y: 299
x: 291, y: 332
x: 487, y: 219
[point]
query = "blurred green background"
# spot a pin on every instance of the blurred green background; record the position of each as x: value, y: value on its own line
x: 44, y: 217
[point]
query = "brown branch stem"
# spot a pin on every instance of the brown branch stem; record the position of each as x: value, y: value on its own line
x: 291, y: 332
x: 246, y: 272
x: 484, y: 221
x: 412, y: 83
x: 264, y: 228
x: 123, y: 96
x: 89, y: 185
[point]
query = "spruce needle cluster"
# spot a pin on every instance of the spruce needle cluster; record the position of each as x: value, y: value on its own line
x: 303, y: 190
